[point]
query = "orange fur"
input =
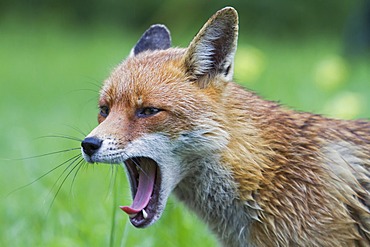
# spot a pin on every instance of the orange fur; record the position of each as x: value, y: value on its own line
x: 259, y: 174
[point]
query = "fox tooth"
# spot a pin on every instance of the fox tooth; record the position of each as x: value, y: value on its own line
x: 145, y: 214
x: 132, y: 215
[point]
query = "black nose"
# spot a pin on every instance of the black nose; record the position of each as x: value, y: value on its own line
x: 90, y: 145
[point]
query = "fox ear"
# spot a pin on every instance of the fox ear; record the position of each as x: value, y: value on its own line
x: 157, y: 37
x: 211, y: 53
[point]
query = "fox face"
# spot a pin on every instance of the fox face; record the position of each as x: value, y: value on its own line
x: 161, y: 112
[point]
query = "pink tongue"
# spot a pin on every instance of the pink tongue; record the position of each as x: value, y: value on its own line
x: 144, y: 190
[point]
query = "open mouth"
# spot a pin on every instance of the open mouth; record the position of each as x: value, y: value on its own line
x: 144, y: 176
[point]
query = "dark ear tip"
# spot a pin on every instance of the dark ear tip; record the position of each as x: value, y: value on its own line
x: 157, y: 37
x: 228, y: 11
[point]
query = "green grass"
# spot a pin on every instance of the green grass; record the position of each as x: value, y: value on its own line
x: 50, y: 75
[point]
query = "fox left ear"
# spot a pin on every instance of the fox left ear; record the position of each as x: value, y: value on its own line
x: 211, y: 53
x: 157, y: 37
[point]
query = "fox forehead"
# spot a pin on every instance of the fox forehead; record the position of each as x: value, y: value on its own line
x: 150, y: 76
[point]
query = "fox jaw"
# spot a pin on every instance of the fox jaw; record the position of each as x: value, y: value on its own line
x: 160, y: 115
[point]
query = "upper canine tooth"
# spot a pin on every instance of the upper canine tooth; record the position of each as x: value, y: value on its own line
x: 145, y: 214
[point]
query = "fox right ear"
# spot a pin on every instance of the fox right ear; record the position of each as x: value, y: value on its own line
x: 211, y: 53
x: 157, y: 37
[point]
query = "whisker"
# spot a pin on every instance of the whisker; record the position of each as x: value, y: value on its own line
x: 84, y: 90
x: 49, y: 154
x: 92, y: 99
x: 77, y: 130
x: 75, y: 175
x: 60, y: 136
x: 73, y: 161
x: 113, y: 174
x: 64, y: 179
x: 138, y: 166
x: 45, y: 174
x: 134, y: 160
x: 94, y: 82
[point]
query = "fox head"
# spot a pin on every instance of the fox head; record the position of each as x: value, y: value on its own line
x: 161, y: 111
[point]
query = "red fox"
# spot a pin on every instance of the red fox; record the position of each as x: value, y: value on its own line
x: 257, y: 173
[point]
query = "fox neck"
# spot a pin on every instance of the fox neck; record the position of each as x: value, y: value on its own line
x: 213, y: 188
x: 211, y: 192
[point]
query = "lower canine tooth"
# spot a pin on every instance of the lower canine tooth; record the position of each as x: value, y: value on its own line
x: 145, y: 214
x: 132, y: 215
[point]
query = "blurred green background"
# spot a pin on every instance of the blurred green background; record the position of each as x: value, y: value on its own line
x: 54, y: 55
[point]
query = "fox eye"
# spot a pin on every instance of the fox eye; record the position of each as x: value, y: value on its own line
x: 104, y: 111
x: 147, y: 112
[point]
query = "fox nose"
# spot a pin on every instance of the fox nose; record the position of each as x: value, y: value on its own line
x: 91, y: 145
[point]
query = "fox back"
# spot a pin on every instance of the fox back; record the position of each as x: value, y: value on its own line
x: 257, y: 173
